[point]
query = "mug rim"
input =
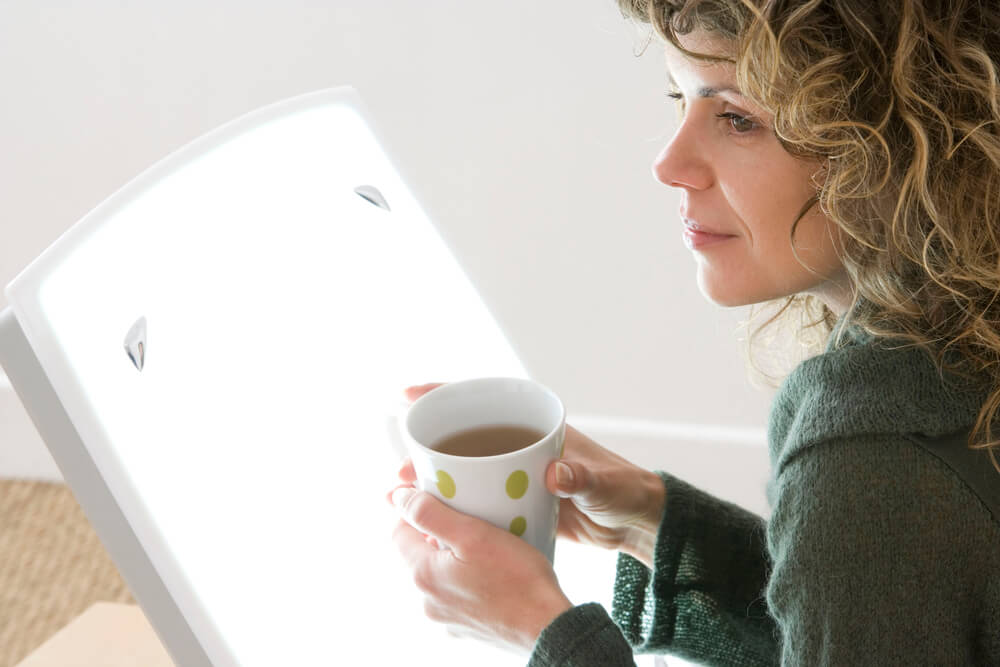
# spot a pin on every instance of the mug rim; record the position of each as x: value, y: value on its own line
x: 483, y: 380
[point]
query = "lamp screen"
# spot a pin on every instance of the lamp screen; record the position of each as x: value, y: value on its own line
x: 229, y: 334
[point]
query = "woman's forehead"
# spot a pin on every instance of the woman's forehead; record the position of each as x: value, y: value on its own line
x: 693, y: 75
x: 682, y: 68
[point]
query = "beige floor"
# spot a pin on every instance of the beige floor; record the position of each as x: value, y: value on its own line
x: 52, y: 565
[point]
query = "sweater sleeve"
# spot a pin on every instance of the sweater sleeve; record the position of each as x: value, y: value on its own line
x: 704, y: 599
x: 583, y: 636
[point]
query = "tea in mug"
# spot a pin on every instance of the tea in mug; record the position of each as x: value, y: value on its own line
x: 490, y: 440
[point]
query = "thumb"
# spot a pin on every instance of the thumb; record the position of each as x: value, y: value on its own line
x: 569, y: 479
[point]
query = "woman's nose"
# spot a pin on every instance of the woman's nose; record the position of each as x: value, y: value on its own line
x: 682, y: 163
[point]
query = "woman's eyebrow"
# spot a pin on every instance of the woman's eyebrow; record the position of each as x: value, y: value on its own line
x: 708, y: 91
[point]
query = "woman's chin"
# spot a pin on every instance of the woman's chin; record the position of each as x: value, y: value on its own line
x: 726, y: 298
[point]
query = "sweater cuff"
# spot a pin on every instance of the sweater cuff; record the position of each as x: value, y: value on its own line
x: 643, y: 605
x: 581, y: 636
x: 709, y: 568
x: 634, y: 606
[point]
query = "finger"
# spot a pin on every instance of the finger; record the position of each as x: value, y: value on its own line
x: 407, y: 473
x: 416, y: 391
x: 412, y: 544
x: 429, y: 515
x: 569, y: 520
x: 388, y: 496
x: 427, y: 538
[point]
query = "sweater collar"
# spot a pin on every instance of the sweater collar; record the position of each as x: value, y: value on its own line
x: 867, y: 385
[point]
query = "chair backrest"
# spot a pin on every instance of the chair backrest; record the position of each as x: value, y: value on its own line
x: 973, y: 466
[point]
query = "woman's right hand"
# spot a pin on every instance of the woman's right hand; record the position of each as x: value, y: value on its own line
x: 606, y: 500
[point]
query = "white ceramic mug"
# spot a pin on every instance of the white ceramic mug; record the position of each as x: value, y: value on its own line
x: 508, y: 490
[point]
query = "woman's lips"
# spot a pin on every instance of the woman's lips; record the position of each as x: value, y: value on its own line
x: 696, y: 238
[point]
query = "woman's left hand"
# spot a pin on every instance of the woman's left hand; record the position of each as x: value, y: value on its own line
x: 488, y: 584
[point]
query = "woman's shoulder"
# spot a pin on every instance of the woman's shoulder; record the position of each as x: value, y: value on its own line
x: 870, y: 404
x: 867, y: 386
x: 874, y: 527
x: 894, y: 475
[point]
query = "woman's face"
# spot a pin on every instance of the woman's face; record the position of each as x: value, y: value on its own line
x: 741, y: 192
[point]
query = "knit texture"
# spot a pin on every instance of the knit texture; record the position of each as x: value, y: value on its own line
x: 706, y: 600
x: 582, y: 636
x: 866, y: 386
x: 876, y: 552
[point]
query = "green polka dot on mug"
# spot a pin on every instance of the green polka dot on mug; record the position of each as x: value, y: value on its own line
x: 517, y: 484
x: 518, y: 525
x: 445, y: 484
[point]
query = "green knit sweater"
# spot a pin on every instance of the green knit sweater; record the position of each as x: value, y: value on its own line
x: 877, y: 551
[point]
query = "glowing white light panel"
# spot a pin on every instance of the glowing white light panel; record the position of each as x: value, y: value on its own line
x: 285, y: 315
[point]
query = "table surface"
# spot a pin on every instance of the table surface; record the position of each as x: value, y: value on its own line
x: 107, y: 634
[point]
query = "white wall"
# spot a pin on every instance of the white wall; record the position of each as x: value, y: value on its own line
x: 526, y: 129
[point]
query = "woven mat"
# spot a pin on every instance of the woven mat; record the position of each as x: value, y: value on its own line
x: 52, y: 566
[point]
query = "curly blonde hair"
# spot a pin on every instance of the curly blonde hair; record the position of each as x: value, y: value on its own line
x: 900, y: 103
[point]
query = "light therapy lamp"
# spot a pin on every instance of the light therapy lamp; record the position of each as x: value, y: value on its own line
x: 212, y: 356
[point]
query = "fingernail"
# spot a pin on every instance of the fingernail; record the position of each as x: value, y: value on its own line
x: 564, y: 475
x: 401, y: 495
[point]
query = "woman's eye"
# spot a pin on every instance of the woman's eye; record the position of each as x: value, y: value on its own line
x: 740, y: 124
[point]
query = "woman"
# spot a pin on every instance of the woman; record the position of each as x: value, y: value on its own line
x: 839, y: 158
